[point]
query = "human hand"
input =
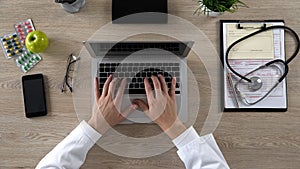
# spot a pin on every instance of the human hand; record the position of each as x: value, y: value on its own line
x: 107, y: 108
x: 162, y: 107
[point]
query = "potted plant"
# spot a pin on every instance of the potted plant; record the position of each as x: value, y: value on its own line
x: 217, y: 7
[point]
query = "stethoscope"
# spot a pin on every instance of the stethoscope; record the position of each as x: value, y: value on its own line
x: 255, y: 83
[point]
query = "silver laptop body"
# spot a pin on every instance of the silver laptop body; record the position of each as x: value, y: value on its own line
x: 148, y: 56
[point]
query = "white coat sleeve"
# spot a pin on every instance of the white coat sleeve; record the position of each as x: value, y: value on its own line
x: 72, y: 151
x: 199, y: 152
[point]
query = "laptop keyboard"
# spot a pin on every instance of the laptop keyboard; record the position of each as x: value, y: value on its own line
x: 136, y: 72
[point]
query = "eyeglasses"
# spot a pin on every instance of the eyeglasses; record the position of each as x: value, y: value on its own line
x: 68, y: 78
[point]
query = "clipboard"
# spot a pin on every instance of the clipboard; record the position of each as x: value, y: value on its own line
x: 250, y: 55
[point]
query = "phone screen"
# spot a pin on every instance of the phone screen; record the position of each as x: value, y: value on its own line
x: 34, y: 95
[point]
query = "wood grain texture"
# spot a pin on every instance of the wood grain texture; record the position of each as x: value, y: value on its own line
x: 247, y: 140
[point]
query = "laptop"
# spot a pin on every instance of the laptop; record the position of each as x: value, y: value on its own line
x: 136, y: 60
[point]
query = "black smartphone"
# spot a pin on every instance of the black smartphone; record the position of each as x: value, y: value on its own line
x: 34, y: 95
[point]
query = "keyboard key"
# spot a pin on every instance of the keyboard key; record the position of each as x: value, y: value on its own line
x: 137, y: 91
x: 101, y: 86
x: 174, y: 69
x: 169, y: 85
x: 103, y: 75
x: 168, y: 79
x: 167, y: 69
x: 101, y: 69
x: 102, y: 80
x: 138, y: 75
x: 140, y: 80
x: 131, y: 85
x: 135, y: 69
x: 112, y: 69
x: 113, y: 64
x: 142, y: 85
x: 124, y: 64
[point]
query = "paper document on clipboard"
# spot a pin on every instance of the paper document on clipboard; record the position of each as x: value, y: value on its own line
x: 258, y: 47
x: 247, y: 56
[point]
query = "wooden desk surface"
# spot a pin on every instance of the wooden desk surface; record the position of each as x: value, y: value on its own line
x: 247, y: 140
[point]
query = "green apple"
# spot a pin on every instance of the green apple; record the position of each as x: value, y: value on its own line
x: 36, y: 41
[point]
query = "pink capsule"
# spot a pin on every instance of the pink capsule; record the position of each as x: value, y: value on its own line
x: 28, y: 27
x: 27, y: 23
x: 18, y: 26
x: 20, y: 30
x: 30, y: 30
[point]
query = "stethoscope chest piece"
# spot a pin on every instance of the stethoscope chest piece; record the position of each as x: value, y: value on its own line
x: 255, y: 84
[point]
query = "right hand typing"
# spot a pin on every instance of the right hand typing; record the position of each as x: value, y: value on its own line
x: 162, y: 106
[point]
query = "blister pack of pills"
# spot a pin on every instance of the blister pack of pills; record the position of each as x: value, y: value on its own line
x: 11, y: 45
x: 23, y: 28
x: 27, y: 60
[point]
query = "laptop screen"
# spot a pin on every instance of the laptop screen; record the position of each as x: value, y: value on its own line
x: 121, y: 8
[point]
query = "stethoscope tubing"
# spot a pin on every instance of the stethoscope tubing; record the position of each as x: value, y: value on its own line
x: 285, y: 63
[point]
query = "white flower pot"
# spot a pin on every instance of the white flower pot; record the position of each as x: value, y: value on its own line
x: 213, y: 13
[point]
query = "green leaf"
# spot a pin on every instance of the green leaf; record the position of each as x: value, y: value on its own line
x: 218, y: 6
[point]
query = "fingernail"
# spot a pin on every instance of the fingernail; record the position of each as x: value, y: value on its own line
x: 134, y: 106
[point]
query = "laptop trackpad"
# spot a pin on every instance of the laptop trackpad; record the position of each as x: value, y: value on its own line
x: 136, y: 116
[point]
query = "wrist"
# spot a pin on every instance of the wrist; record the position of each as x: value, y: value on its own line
x: 175, y: 129
x: 98, y: 126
